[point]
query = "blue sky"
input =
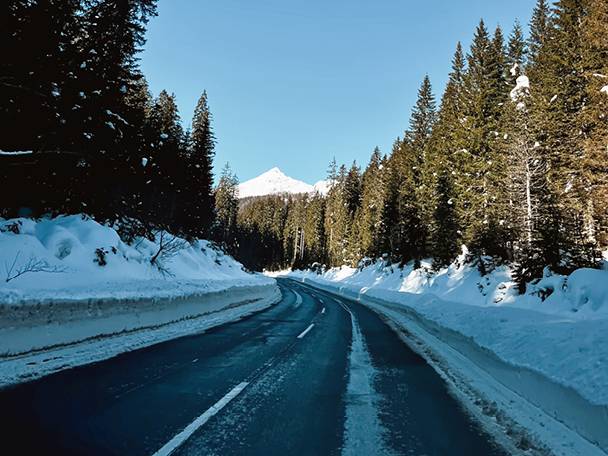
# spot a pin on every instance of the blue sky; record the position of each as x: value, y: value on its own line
x: 294, y: 83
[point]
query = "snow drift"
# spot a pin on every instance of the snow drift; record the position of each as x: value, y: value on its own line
x: 76, y: 258
x: 69, y: 280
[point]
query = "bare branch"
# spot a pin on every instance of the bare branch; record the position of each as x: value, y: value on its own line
x: 168, y: 247
x: 33, y: 264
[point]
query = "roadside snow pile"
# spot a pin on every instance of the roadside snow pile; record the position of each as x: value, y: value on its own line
x: 559, y: 328
x: 537, y: 361
x: 71, y: 286
x: 74, y: 258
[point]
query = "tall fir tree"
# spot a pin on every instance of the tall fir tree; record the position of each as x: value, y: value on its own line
x: 372, y: 198
x: 539, y: 27
x: 593, y: 117
x: 445, y: 234
x: 199, y: 176
x: 516, y: 54
x: 560, y: 96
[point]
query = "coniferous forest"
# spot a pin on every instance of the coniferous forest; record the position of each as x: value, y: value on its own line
x: 511, y: 160
x: 97, y: 142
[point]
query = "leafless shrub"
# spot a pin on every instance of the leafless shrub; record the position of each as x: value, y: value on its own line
x: 33, y: 264
x: 168, y: 246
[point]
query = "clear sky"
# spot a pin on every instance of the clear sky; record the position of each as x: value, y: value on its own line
x: 294, y: 83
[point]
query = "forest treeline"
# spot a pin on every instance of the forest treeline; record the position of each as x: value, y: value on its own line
x: 97, y: 142
x: 513, y: 163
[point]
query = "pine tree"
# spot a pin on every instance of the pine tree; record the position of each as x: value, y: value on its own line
x: 516, y: 54
x: 372, y: 199
x: 593, y: 117
x: 199, y: 177
x: 410, y: 240
x: 226, y: 210
x: 559, y: 98
x: 447, y: 164
x: 539, y: 26
x: 478, y: 110
x: 166, y: 159
x: 446, y: 230
x: 338, y: 215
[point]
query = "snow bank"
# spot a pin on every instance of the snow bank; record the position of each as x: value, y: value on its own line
x: 70, y: 280
x: 76, y: 258
x: 553, y: 352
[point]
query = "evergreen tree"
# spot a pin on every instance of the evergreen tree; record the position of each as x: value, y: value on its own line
x: 423, y: 119
x: 370, y: 215
x: 446, y: 230
x: 539, y: 26
x: 338, y: 218
x: 410, y: 232
x: 559, y: 98
x: 593, y: 117
x: 479, y: 180
x: 226, y: 210
x: 199, y: 177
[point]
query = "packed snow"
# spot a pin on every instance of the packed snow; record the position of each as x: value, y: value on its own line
x: 74, y: 257
x: 275, y: 182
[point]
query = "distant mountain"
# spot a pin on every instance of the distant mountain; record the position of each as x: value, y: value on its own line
x: 322, y: 187
x: 274, y: 182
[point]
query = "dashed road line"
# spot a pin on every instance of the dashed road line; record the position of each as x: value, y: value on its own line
x: 306, y: 331
x: 180, y: 438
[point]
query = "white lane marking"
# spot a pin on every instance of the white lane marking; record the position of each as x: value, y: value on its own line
x: 180, y: 438
x: 301, y: 336
x: 320, y: 300
x: 323, y: 310
x: 298, y: 298
x: 363, y: 431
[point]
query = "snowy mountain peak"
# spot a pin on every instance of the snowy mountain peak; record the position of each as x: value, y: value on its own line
x: 274, y: 182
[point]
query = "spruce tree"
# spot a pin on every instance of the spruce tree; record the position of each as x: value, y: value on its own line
x: 539, y: 26
x: 516, y: 54
x: 593, y: 117
x: 559, y: 88
x: 199, y: 176
x: 444, y: 245
x: 226, y: 210
x: 370, y: 229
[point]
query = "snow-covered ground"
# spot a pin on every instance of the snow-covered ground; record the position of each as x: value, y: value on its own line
x: 77, y: 258
x: 70, y: 281
x: 552, y: 352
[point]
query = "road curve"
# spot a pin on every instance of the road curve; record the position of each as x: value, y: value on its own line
x: 312, y: 375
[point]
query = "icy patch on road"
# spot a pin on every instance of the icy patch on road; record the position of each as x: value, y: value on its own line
x: 363, y: 431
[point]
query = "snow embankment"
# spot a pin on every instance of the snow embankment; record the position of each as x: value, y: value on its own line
x: 70, y: 279
x: 549, y: 346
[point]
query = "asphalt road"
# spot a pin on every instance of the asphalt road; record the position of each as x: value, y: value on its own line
x: 312, y: 375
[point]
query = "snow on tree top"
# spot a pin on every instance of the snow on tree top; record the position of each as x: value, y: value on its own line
x: 274, y: 182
